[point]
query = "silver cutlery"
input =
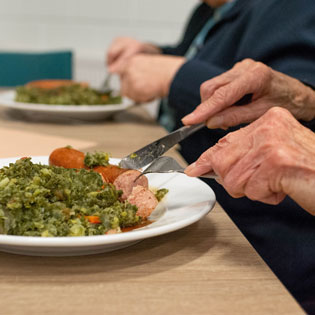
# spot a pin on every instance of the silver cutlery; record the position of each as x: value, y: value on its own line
x: 166, y: 164
x: 105, y: 87
x: 152, y: 151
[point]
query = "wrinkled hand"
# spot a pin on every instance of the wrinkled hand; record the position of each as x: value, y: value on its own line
x: 269, y: 88
x: 123, y: 48
x: 146, y: 77
x: 265, y: 161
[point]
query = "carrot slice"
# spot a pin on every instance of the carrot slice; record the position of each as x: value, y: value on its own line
x: 93, y: 219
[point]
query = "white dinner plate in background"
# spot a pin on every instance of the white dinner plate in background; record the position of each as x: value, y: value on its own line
x: 80, y: 112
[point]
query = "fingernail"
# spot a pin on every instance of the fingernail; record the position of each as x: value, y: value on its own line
x: 189, y: 169
x: 215, y: 122
x: 188, y: 117
x: 193, y: 170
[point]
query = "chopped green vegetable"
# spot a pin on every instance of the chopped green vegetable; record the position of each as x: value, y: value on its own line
x: 160, y: 194
x: 40, y: 200
x: 96, y: 159
x: 75, y: 94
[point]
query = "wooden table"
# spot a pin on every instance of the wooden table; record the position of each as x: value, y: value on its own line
x: 206, y: 268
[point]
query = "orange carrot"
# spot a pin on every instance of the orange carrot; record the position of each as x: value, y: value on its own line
x: 93, y: 219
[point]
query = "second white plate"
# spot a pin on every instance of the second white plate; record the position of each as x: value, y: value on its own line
x: 81, y: 112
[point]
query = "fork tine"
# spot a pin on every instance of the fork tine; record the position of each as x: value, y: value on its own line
x: 166, y: 164
x: 105, y: 87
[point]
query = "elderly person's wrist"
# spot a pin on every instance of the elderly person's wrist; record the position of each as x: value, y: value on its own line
x: 150, y: 48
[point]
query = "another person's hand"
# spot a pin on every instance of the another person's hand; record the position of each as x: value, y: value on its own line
x: 124, y: 48
x: 146, y: 77
x: 265, y: 161
x: 268, y: 87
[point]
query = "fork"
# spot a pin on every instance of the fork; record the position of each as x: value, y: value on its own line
x: 166, y: 164
x: 105, y: 87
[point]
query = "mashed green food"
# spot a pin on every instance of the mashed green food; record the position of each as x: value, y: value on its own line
x: 41, y: 200
x: 96, y: 159
x: 75, y: 94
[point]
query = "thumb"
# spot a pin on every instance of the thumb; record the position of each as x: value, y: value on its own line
x: 197, y: 169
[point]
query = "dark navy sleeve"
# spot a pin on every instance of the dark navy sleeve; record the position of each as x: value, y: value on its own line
x: 197, y: 20
x: 278, y: 33
x: 185, y: 88
x: 281, y: 34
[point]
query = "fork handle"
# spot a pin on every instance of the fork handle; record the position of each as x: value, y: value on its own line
x: 212, y: 175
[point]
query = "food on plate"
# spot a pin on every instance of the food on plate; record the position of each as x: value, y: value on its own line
x: 67, y: 157
x: 123, y: 179
x: 96, y: 159
x: 57, y: 200
x: 41, y: 200
x: 52, y: 84
x: 144, y: 199
x: 109, y: 172
x: 128, y: 180
x: 160, y: 193
x: 63, y: 92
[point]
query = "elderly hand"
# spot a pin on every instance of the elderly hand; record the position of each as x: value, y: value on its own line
x: 123, y: 48
x: 268, y: 87
x: 146, y: 77
x: 265, y: 161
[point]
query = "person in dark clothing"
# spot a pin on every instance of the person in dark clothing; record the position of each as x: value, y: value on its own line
x: 277, y: 33
x: 270, y: 159
x: 280, y: 34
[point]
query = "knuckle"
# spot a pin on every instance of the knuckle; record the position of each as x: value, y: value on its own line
x: 219, y: 95
x: 205, y: 158
x: 278, y: 114
x: 118, y: 40
x: 261, y: 72
x: 205, y: 86
x: 279, y: 156
x: 233, y: 118
x: 232, y: 187
x: 225, y: 140
x: 245, y: 62
x: 205, y: 92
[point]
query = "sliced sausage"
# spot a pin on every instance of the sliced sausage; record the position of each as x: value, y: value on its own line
x: 67, y: 158
x: 110, y: 172
x: 127, y: 180
x: 144, y: 199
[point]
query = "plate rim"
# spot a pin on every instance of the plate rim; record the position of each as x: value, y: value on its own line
x: 85, y: 241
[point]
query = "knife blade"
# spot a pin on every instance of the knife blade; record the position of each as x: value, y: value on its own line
x: 150, y: 152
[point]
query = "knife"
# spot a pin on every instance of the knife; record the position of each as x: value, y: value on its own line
x: 150, y: 152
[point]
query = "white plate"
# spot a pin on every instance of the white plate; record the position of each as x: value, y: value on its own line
x: 81, y: 112
x: 188, y: 200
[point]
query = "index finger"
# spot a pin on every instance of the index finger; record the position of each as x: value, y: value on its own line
x: 223, y: 97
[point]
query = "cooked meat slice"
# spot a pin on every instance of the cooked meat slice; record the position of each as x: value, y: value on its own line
x: 127, y: 180
x: 144, y: 199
